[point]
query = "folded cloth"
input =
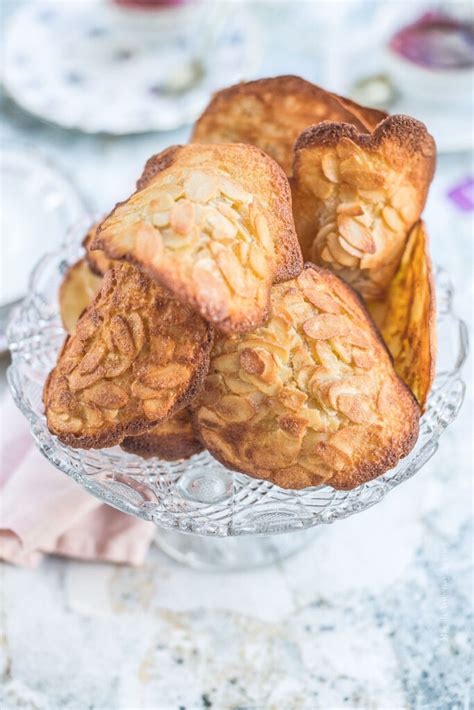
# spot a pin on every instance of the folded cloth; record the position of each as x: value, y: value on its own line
x: 42, y: 511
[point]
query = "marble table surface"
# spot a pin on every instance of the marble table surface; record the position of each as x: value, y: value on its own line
x: 375, y: 613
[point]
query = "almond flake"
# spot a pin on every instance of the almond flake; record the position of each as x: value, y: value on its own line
x: 182, y: 217
x: 392, y: 219
x: 201, y: 187
x: 356, y: 234
x: 326, y: 326
x: 330, y: 166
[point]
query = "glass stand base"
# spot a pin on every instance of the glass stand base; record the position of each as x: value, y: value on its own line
x: 231, y: 553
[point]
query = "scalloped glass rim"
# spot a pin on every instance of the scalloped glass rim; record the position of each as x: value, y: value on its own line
x: 200, y: 496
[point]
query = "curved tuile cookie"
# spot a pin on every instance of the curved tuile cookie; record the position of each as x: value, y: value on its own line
x: 356, y: 197
x: 271, y: 113
x: 172, y: 440
x: 407, y: 318
x: 214, y: 225
x: 98, y: 262
x: 138, y: 355
x: 309, y: 398
x: 77, y: 290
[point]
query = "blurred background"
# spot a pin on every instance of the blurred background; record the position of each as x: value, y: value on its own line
x: 375, y: 612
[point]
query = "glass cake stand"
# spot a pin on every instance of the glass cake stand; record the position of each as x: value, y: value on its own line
x: 206, y: 515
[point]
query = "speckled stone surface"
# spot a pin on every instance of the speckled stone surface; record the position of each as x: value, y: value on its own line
x: 376, y: 613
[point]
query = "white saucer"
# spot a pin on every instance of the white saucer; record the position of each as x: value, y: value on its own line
x: 84, y: 65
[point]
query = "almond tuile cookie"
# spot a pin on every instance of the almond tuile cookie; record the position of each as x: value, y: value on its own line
x: 137, y: 356
x: 309, y: 398
x: 171, y: 440
x: 214, y: 225
x: 356, y: 196
x: 271, y: 113
x: 407, y: 317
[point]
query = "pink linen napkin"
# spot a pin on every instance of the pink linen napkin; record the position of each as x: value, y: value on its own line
x: 42, y: 511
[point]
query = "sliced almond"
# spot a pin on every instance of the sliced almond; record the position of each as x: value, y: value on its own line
x: 162, y: 202
x: 252, y: 361
x: 350, y: 249
x: 238, y: 386
x: 227, y: 362
x: 235, y: 409
x: 77, y: 381
x: 343, y: 349
x: 326, y: 326
x: 222, y: 228
x: 356, y: 336
x: 356, y: 234
x: 142, y: 391
x: 182, y: 217
x: 409, y: 212
x: 148, y: 243
x: 156, y: 377
x: 234, y: 192
x: 292, y: 398
x: 351, y: 209
x: 65, y: 422
x: 201, y: 187
x: 232, y: 271
x: 228, y: 212
x: 158, y: 407
x: 324, y: 231
x: 402, y: 196
x: 211, y: 286
x: 361, y: 178
x: 362, y: 359
x: 160, y: 219
x: 137, y: 329
x: 326, y: 355
x: 242, y: 251
x: 325, y: 255
x: 115, y: 364
x: 392, y: 219
x: 339, y: 254
x: 374, y: 197
x: 93, y: 358
x: 108, y: 395
x: 330, y: 167
x: 321, y: 300
x: 121, y: 336
x: 258, y: 262
x: 357, y: 408
x: 295, y: 426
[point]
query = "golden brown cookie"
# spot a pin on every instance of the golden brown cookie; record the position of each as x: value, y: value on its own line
x: 137, y: 356
x: 356, y: 196
x: 98, y: 262
x: 172, y: 440
x: 214, y: 225
x: 407, y: 318
x: 309, y: 398
x: 77, y: 290
x: 271, y: 113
